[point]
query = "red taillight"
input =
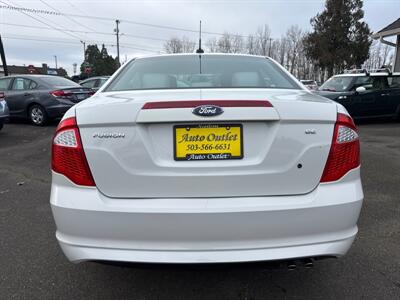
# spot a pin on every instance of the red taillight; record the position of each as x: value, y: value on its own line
x: 68, y: 157
x: 60, y: 93
x: 345, y: 150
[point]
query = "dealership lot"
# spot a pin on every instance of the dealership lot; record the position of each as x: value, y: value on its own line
x: 32, y: 265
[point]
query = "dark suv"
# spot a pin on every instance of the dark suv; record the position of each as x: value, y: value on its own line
x: 365, y: 95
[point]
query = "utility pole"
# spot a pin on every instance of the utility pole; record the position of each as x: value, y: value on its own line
x: 55, y: 59
x: 117, y: 34
x: 270, y: 46
x: 3, y: 58
x: 84, y: 50
x: 74, y: 65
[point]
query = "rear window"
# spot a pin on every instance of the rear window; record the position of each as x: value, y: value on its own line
x: 89, y: 83
x: 394, y: 82
x: 337, y: 84
x: 102, y: 81
x: 4, y: 83
x: 201, y: 71
x: 59, y: 81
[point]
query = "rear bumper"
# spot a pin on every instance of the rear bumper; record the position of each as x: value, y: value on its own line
x: 58, y: 110
x: 91, y: 226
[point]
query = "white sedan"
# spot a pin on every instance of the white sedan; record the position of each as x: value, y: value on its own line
x: 205, y: 159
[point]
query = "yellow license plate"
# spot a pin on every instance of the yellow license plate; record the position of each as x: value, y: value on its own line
x: 208, y: 142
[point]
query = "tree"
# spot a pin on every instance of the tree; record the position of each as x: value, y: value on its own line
x: 225, y: 43
x: 187, y: 45
x: 251, y: 44
x: 294, y: 40
x: 177, y: 45
x: 173, y: 45
x: 212, y: 45
x: 99, y: 61
x: 340, y: 38
x: 263, y: 40
x: 237, y: 44
x: 107, y: 64
x: 379, y: 56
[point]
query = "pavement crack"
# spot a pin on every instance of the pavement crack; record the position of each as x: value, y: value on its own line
x: 23, y: 175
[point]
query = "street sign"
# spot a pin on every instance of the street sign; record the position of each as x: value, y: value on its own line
x: 32, y: 69
x: 88, y: 70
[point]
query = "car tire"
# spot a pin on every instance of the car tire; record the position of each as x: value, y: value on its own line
x: 398, y: 113
x: 37, y: 115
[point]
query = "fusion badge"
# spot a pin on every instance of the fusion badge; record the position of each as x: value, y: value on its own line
x: 109, y: 135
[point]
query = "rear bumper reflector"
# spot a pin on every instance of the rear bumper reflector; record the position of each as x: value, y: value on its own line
x: 195, y: 103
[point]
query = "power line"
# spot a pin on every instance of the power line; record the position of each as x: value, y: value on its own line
x: 80, y: 10
x: 125, y: 45
x: 38, y: 40
x: 49, y: 39
x: 74, y: 42
x: 144, y: 37
x: 69, y: 18
x: 41, y: 11
x: 85, y: 32
x: 40, y: 21
x: 29, y: 10
x: 47, y: 28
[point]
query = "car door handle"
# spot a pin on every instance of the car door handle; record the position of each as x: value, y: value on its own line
x: 27, y: 94
x: 384, y: 94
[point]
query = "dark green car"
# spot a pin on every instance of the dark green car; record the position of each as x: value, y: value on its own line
x: 365, y: 95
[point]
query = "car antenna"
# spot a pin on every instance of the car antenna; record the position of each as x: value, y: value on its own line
x: 200, y: 51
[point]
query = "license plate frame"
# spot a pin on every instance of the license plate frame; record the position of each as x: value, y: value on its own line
x: 81, y: 96
x: 210, y: 154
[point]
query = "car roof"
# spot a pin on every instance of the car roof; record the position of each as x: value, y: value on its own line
x: 94, y: 78
x: 197, y: 54
x: 97, y: 77
x: 369, y: 74
x: 40, y: 76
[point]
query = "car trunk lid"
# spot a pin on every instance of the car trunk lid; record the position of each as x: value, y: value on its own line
x: 132, y: 153
x: 74, y: 94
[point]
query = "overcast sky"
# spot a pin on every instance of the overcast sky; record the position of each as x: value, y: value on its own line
x: 243, y: 17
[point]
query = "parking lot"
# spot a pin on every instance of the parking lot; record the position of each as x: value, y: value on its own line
x: 32, y: 265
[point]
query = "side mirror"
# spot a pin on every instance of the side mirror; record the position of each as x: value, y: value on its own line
x: 361, y: 90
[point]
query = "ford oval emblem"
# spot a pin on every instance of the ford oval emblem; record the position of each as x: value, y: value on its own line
x: 207, y: 110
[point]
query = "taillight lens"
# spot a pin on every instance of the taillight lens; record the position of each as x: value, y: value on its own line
x: 345, y: 150
x: 60, y: 94
x: 68, y: 157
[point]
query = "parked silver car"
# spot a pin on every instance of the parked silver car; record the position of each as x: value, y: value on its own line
x: 94, y: 83
x: 310, y: 84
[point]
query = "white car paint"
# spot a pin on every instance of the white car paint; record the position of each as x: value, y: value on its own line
x: 147, y: 207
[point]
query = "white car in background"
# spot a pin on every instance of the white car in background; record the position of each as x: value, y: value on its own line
x: 310, y: 84
x: 205, y: 159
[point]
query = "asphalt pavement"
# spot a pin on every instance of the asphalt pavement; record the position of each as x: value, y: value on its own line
x: 32, y: 265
